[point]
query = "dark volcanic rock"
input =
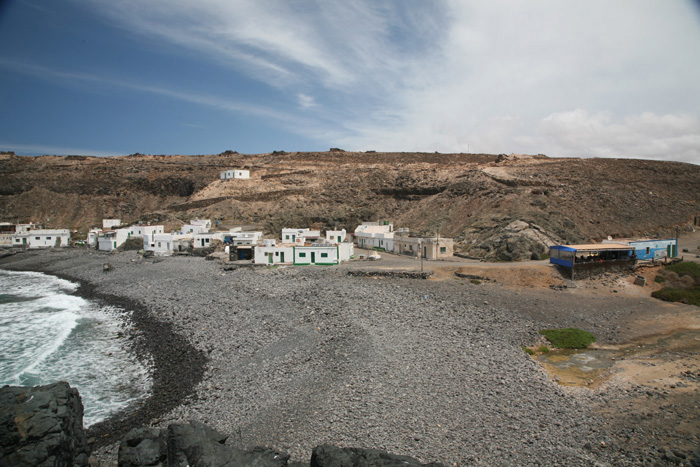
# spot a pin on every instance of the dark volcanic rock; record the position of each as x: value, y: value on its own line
x: 42, y: 426
x: 332, y: 456
x: 190, y: 444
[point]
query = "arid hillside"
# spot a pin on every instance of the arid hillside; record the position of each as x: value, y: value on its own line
x: 496, y: 206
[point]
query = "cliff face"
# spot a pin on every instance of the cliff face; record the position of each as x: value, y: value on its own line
x: 491, y: 204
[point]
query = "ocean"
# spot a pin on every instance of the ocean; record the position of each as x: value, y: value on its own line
x: 48, y: 334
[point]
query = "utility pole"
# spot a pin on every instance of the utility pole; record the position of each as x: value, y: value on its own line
x: 420, y: 252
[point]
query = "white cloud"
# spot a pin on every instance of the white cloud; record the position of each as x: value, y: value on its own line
x: 454, y: 75
x: 306, y: 101
x: 646, y: 135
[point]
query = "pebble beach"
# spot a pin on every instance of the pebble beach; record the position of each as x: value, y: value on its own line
x: 291, y: 358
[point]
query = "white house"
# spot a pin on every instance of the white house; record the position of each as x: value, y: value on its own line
x: 196, y: 226
x: 336, y: 236
x: 299, y: 236
x: 112, y: 239
x: 109, y: 224
x: 234, y: 173
x: 372, y: 235
x: 160, y: 244
x: 346, y: 251
x: 242, y: 238
x: 145, y: 230
x: 92, y: 237
x: 315, y: 254
x: 23, y: 228
x: 204, y: 240
x: 270, y: 254
x: 42, y: 238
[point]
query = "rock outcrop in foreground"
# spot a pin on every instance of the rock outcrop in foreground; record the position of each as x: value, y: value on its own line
x: 43, y: 426
x: 197, y: 444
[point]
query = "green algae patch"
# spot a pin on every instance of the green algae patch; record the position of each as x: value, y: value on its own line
x: 568, y: 338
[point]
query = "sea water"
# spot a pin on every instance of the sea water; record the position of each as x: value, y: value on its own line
x: 48, y: 334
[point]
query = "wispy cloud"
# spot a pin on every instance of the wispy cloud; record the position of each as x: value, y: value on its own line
x: 76, y: 79
x: 583, y: 78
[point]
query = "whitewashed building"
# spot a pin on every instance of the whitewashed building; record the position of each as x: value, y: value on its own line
x: 205, y: 240
x: 24, y: 228
x: 42, y: 238
x: 242, y: 238
x: 299, y: 236
x: 271, y: 254
x: 196, y: 226
x: 92, y: 237
x: 235, y: 173
x: 371, y: 235
x: 160, y: 244
x: 315, y: 254
x: 144, y: 230
x: 112, y: 239
x: 110, y: 224
x: 336, y: 236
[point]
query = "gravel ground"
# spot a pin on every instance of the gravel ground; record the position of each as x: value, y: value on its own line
x: 292, y: 358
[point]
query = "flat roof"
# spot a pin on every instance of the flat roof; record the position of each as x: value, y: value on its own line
x: 594, y: 247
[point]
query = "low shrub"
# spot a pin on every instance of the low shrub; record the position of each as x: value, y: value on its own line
x: 543, y: 349
x: 475, y: 281
x: 528, y: 350
x: 685, y: 268
x: 690, y: 296
x: 568, y: 338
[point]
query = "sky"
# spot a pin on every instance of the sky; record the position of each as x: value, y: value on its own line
x: 575, y: 78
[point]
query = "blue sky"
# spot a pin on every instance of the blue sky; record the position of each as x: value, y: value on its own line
x: 575, y: 78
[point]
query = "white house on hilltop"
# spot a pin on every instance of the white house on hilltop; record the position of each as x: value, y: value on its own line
x: 234, y: 173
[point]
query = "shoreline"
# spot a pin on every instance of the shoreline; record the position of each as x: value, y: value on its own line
x: 291, y: 358
x: 173, y: 379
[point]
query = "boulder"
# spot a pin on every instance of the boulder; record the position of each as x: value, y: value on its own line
x: 42, y: 425
x: 190, y: 444
x: 333, y: 456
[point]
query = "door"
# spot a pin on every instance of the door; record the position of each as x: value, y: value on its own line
x: 270, y: 258
x: 281, y: 256
x: 294, y: 238
x: 313, y: 257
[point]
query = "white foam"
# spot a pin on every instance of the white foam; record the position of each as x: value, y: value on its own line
x: 50, y: 336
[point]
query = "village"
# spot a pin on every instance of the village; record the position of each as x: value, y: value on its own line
x: 306, y: 246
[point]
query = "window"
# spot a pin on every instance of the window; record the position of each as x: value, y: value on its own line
x: 443, y: 249
x: 302, y: 255
x: 324, y: 255
x: 277, y: 253
x: 37, y: 238
x: 159, y: 244
x: 648, y: 250
x: 48, y: 238
x: 286, y: 237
